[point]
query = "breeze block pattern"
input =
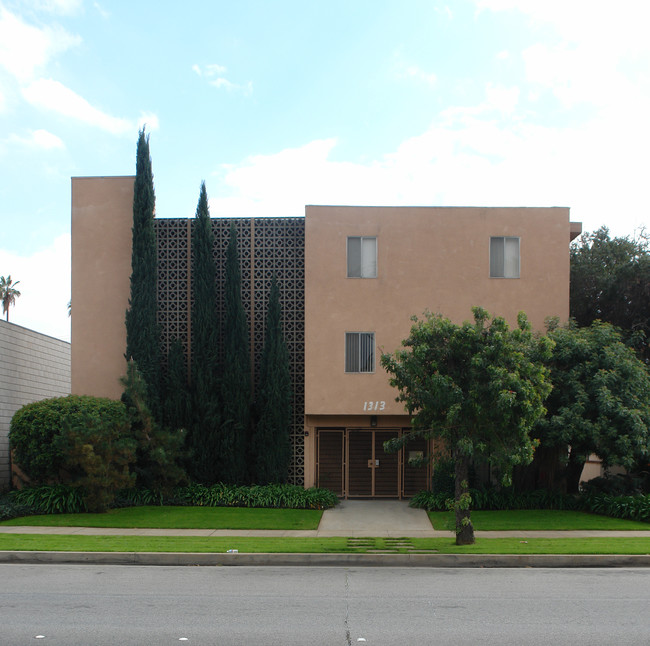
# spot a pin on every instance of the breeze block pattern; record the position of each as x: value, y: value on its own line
x: 266, y: 246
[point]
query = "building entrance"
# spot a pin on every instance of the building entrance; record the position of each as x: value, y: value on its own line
x: 352, y: 463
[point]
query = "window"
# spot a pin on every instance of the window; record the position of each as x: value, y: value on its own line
x: 504, y: 257
x: 359, y: 352
x: 362, y: 257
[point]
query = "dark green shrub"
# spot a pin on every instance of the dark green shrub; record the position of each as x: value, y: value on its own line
x: 11, y: 508
x: 36, y: 432
x: 284, y: 496
x: 159, y: 450
x: 500, y: 499
x: 628, y: 507
x: 49, y: 499
x: 620, y: 484
x: 98, y: 455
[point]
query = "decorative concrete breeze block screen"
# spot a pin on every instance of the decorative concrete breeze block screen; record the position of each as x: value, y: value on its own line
x: 266, y: 246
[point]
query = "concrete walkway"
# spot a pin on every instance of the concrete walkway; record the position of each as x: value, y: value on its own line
x: 351, y: 518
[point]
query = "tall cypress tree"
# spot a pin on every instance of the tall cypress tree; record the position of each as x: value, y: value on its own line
x: 236, y: 376
x: 204, y: 440
x: 176, y: 408
x: 270, y: 446
x: 142, y: 334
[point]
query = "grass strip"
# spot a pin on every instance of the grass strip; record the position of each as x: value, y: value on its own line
x: 167, y: 517
x: 536, y: 519
x: 338, y: 545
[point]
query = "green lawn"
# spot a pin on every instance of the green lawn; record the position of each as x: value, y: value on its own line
x: 182, y: 518
x: 23, y: 542
x: 536, y: 519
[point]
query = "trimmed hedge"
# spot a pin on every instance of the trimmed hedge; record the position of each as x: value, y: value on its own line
x: 37, y: 431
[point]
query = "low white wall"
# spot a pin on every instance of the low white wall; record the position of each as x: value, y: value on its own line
x: 33, y: 366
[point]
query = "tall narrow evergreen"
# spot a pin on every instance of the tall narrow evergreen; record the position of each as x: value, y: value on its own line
x: 176, y: 407
x: 236, y: 376
x: 270, y: 446
x: 203, y: 441
x: 142, y: 342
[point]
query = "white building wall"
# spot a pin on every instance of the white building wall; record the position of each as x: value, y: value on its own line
x: 33, y: 366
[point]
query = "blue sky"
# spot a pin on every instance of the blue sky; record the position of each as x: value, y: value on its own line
x: 281, y: 104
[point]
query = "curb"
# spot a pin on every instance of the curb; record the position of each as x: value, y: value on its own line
x: 337, y: 560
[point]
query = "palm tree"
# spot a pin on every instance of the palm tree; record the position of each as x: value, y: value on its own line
x: 8, y: 293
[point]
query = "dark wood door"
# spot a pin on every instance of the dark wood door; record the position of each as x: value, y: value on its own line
x: 371, y: 471
x: 331, y: 460
x: 386, y: 466
x: 360, y: 448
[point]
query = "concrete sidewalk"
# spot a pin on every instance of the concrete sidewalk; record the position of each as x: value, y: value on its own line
x: 353, y: 519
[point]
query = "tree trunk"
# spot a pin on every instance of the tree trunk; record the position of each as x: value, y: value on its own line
x: 573, y: 471
x: 464, y: 528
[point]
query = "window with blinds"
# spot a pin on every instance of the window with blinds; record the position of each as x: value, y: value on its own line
x: 504, y: 257
x: 359, y: 352
x: 362, y: 257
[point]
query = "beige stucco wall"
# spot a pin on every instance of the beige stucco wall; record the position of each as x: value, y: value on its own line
x: 428, y: 258
x: 102, y: 217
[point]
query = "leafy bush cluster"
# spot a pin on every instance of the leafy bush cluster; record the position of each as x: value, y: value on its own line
x: 284, y: 496
x: 632, y: 507
x: 65, y: 499
x: 628, y: 507
x: 95, y: 446
x: 38, y: 432
x: 500, y: 499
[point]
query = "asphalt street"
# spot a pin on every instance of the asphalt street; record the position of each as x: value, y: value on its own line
x: 93, y: 604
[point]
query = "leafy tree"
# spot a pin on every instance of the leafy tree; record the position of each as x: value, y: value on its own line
x: 600, y: 401
x: 236, y: 377
x: 270, y: 445
x: 142, y: 334
x: 8, y: 293
x: 477, y: 388
x: 176, y: 405
x: 204, y: 440
x: 610, y: 281
x: 159, y: 452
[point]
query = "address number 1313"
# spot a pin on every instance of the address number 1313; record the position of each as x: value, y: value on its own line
x: 380, y: 405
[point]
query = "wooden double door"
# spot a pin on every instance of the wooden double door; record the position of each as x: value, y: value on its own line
x: 353, y: 463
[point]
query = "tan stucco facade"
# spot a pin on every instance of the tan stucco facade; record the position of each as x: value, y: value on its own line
x: 428, y: 258
x: 102, y: 218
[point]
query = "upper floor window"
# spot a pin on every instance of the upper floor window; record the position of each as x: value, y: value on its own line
x: 504, y: 257
x: 359, y: 352
x: 362, y: 257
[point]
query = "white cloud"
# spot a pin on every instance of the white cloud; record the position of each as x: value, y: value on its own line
x: 214, y: 73
x: 150, y: 120
x: 25, y: 49
x: 52, y: 95
x: 44, y: 286
x: 39, y: 139
x: 57, y: 6
x: 474, y: 155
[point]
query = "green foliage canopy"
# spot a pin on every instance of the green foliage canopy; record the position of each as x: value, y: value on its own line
x: 600, y: 401
x: 479, y: 387
x: 610, y: 281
